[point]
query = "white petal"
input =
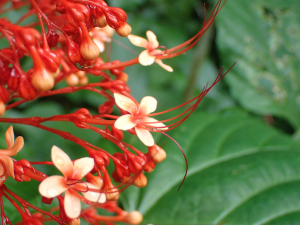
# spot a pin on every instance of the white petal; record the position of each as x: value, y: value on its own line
x: 146, y: 59
x: 150, y: 120
x: 125, y: 103
x: 100, y: 44
x: 164, y: 66
x: 9, y: 137
x: 62, y: 161
x: 82, y: 167
x: 148, y: 105
x: 52, y: 186
x: 138, y: 41
x: 8, y: 163
x: 94, y: 196
x: 72, y: 205
x: 152, y: 38
x: 145, y: 136
x: 124, y: 122
x: 18, y: 145
x: 109, y: 32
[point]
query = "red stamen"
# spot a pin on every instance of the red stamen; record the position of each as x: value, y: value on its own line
x: 186, y: 163
x: 188, y: 111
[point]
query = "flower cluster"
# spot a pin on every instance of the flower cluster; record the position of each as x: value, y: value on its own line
x: 71, y: 42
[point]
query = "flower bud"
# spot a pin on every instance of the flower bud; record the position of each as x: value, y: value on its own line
x: 106, y: 108
x: 117, y: 133
x: 98, y: 63
x: 73, y: 52
x: 112, y: 193
x: 123, y: 77
x: 149, y: 167
x: 100, y: 21
x: 26, y: 90
x: 13, y: 80
x: 42, y: 80
x: 72, y: 80
x: 83, y: 80
x: 50, y: 59
x: 140, y: 181
x: 69, y: 29
x: 99, y: 18
x: 28, y: 37
x: 156, y: 153
x: 118, y: 13
x: 124, y: 30
x: 5, y: 73
x: 89, y: 50
x: 80, y: 73
x: 52, y: 38
x: 60, y: 7
x: 56, y: 73
x: 134, y: 217
x: 4, y: 95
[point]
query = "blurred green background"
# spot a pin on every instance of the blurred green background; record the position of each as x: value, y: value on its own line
x: 241, y: 143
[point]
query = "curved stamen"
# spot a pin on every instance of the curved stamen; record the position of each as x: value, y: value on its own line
x: 186, y: 162
x: 192, y: 41
x: 205, y: 90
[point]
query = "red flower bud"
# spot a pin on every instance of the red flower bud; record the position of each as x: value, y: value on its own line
x: 4, y: 95
x: 89, y: 50
x: 42, y: 80
x: 140, y: 181
x: 123, y: 77
x: 117, y: 133
x: 60, y: 7
x: 119, y: 13
x: 124, y: 30
x: 50, y: 59
x: 134, y: 218
x: 70, y: 29
x: 83, y: 80
x: 112, y: 193
x: 106, y: 108
x: 72, y: 80
x: 73, y: 52
x: 52, y: 38
x: 27, y: 37
x: 5, y: 72
x: 149, y: 167
x: 13, y: 80
x: 156, y: 153
x: 26, y: 90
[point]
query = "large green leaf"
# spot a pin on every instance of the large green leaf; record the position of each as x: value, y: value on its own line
x: 241, y: 171
x: 264, y: 38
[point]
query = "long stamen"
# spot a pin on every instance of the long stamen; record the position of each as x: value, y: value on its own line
x: 194, y: 39
x: 186, y: 162
x: 188, y: 111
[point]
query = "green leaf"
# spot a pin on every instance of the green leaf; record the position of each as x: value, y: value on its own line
x: 264, y: 38
x: 241, y: 171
